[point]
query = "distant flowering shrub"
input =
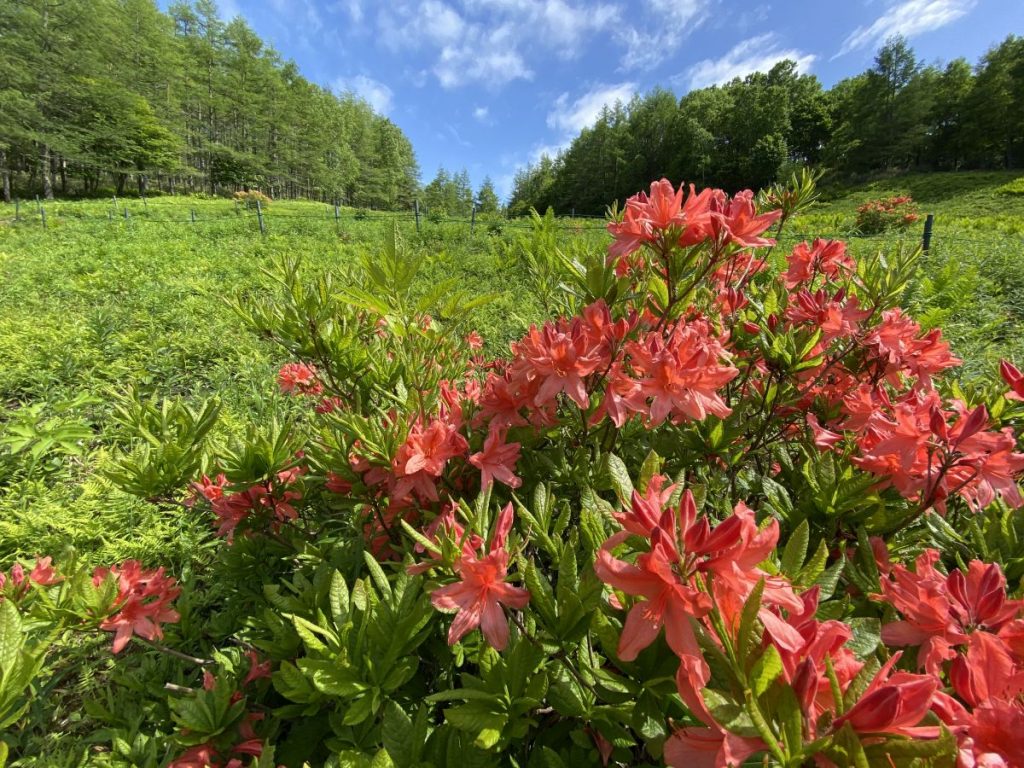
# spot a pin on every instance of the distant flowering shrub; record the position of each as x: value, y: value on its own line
x: 877, y: 216
x: 710, y: 511
x: 250, y: 197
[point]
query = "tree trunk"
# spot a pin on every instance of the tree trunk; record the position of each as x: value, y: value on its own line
x: 6, y: 173
x: 46, y: 172
x: 122, y: 178
x: 63, y: 176
x: 142, y: 184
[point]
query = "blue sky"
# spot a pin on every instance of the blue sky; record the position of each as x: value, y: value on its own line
x: 490, y: 84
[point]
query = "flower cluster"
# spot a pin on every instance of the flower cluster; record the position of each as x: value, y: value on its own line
x: 481, y: 592
x: 967, y: 631
x: 876, y: 216
x: 796, y: 409
x: 271, y: 502
x: 17, y: 583
x: 234, y: 749
x: 299, y: 379
x: 142, y: 604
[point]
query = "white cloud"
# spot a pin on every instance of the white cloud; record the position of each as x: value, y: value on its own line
x: 405, y: 25
x: 374, y: 92
x: 482, y: 56
x: 670, y: 22
x: 908, y: 18
x: 439, y: 23
x: 757, y: 54
x: 482, y: 114
x: 571, y: 118
x: 491, y: 41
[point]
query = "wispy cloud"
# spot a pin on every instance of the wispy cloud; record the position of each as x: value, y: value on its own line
x: 374, y: 92
x: 488, y: 57
x: 491, y: 41
x: 757, y: 54
x: 908, y: 18
x: 667, y: 25
x: 482, y: 115
x: 572, y: 117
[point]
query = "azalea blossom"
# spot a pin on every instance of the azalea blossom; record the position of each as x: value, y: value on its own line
x: 479, y: 595
x: 497, y: 460
x: 299, y: 378
x: 737, y: 221
x: 939, y: 611
x: 142, y: 604
x: 1014, y: 380
x: 558, y: 357
x: 683, y: 549
x: 893, y: 703
x: 681, y: 375
x: 824, y: 257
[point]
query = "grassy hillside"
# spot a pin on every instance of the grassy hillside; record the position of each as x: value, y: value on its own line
x: 96, y: 303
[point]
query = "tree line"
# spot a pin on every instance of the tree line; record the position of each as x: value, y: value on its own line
x: 112, y: 92
x: 451, y: 194
x: 898, y: 115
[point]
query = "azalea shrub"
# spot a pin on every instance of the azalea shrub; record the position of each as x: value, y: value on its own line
x: 727, y: 504
x: 884, y: 214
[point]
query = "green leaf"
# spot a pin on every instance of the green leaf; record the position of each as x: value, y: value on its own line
x: 765, y: 670
x: 359, y: 710
x: 650, y: 467
x: 648, y: 718
x: 905, y: 752
x: 747, y: 636
x: 790, y: 717
x: 814, y: 567
x: 541, y: 595
x: 477, y: 716
x: 867, y: 635
x: 331, y: 679
x: 11, y: 637
x: 338, y: 597
x: 778, y: 498
x: 795, y: 553
x: 619, y: 475
x: 377, y: 573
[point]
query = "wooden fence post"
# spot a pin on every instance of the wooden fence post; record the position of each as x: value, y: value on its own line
x: 42, y: 214
x: 926, y: 240
x: 259, y: 215
x: 472, y: 220
x: 193, y: 212
x: 417, y: 202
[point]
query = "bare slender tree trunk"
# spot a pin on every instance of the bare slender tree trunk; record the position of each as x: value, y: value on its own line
x: 5, y: 172
x: 46, y: 171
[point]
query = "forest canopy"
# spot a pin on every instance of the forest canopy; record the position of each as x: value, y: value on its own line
x: 99, y: 92
x: 898, y: 115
